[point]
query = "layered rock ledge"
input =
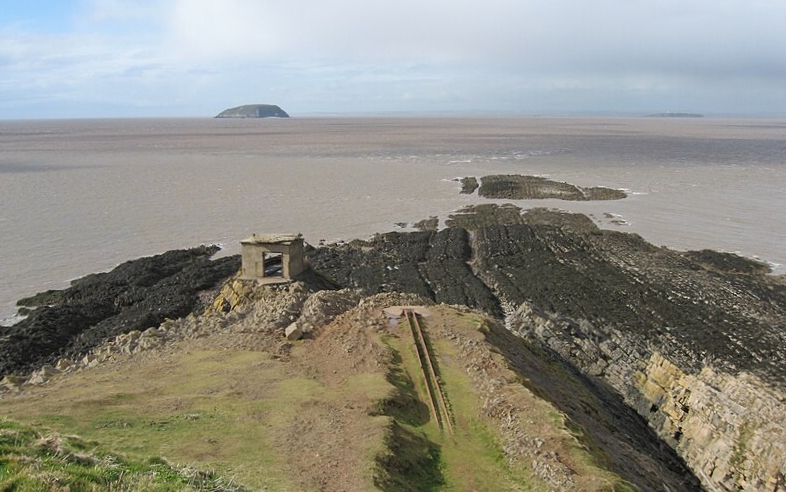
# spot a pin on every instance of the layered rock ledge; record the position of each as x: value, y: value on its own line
x: 693, y: 341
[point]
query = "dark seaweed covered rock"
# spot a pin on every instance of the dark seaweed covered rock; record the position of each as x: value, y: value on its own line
x: 728, y: 263
x: 622, y: 282
x: 468, y: 185
x: 428, y: 263
x: 694, y: 306
x: 519, y: 187
x: 135, y: 295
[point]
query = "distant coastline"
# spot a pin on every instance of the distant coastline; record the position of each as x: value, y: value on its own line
x: 675, y: 115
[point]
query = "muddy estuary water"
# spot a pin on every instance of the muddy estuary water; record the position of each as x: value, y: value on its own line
x: 79, y: 196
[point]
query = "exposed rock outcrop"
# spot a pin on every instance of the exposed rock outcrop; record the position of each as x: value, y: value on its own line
x: 692, y: 341
x: 468, y: 185
x: 135, y: 295
x: 730, y: 428
x: 433, y: 264
x: 520, y: 187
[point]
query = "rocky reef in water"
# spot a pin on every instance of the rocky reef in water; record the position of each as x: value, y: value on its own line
x: 522, y: 187
x: 254, y: 111
x: 660, y: 358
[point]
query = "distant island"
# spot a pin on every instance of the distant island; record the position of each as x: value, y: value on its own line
x: 675, y: 115
x: 254, y: 111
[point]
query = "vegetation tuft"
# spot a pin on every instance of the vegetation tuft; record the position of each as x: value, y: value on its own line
x: 33, y: 460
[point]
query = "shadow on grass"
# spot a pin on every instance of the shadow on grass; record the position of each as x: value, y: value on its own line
x: 404, y: 406
x: 412, y: 463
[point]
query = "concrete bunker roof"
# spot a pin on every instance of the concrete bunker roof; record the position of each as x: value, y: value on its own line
x: 272, y: 239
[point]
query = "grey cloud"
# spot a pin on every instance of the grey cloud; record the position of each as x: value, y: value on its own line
x: 551, y: 35
x: 413, y: 55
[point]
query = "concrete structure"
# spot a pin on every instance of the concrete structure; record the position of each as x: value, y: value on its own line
x: 398, y: 311
x: 260, y: 254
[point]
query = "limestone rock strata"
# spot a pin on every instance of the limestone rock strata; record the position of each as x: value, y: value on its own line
x: 732, y: 425
x: 730, y: 428
x: 695, y: 311
x: 433, y: 264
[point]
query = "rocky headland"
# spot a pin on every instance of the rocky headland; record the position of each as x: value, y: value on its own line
x: 254, y: 111
x: 669, y: 366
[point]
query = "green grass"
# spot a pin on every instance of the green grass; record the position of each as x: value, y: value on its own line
x: 219, y: 410
x: 212, y: 410
x: 36, y: 460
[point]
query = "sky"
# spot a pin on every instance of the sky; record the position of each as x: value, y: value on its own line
x: 162, y: 58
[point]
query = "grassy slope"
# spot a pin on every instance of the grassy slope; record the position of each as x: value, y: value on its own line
x: 190, y: 408
x: 250, y: 416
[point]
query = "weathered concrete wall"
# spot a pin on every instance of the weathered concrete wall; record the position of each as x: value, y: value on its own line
x: 253, y: 263
x: 293, y: 262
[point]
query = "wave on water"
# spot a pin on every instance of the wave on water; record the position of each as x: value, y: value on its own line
x: 458, y: 180
x: 775, y: 268
x: 615, y: 219
x: 12, y: 320
x: 630, y: 192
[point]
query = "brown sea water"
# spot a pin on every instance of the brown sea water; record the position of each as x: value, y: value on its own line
x: 80, y: 196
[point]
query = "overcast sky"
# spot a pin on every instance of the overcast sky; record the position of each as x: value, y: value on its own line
x: 116, y: 58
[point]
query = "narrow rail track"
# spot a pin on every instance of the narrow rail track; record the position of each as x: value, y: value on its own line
x: 436, y: 396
